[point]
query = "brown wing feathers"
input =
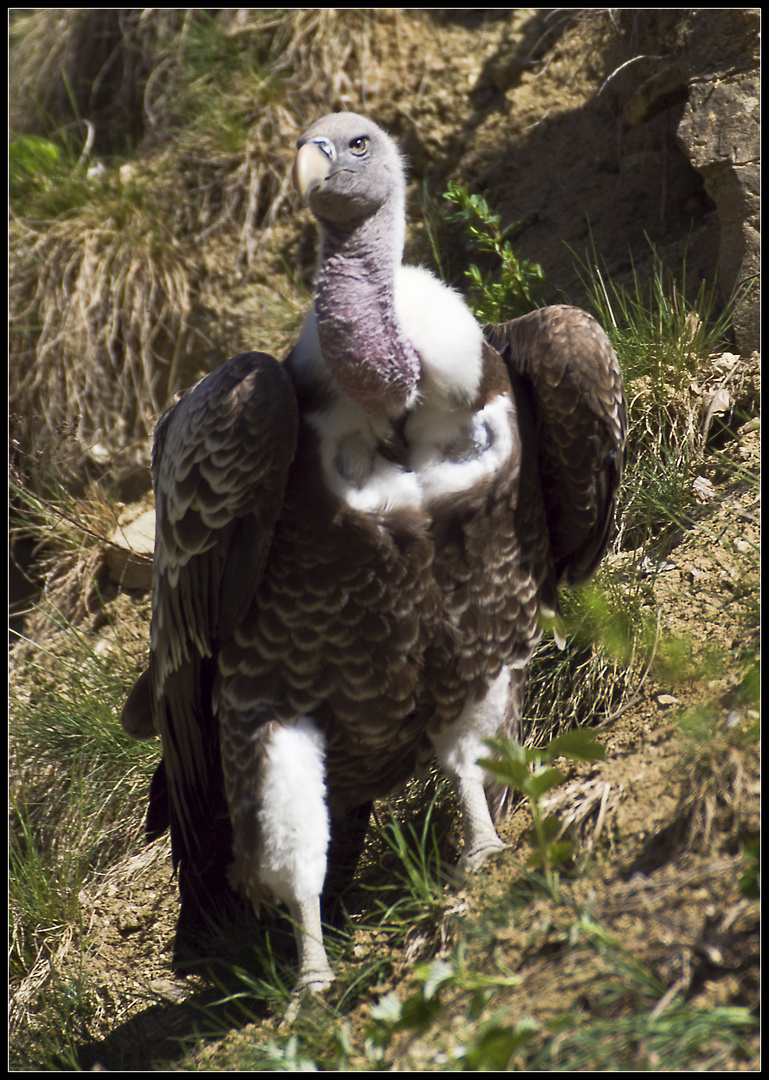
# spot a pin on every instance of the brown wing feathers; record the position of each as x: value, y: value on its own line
x: 574, y: 384
x: 220, y: 464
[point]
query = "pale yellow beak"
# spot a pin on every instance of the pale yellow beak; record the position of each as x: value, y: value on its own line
x: 311, y: 167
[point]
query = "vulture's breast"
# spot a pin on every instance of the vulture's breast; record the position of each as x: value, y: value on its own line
x: 447, y: 452
x: 341, y: 620
x: 387, y: 588
x: 460, y: 433
x: 454, y: 452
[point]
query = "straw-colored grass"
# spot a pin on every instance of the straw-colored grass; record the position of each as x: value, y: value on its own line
x: 108, y: 256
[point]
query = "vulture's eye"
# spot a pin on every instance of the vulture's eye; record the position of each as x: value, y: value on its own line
x: 359, y: 146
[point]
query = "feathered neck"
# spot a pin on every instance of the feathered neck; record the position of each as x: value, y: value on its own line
x: 363, y: 344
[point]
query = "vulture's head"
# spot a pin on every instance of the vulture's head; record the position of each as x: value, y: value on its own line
x: 349, y: 170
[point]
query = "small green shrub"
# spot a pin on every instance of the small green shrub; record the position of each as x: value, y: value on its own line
x: 513, y: 287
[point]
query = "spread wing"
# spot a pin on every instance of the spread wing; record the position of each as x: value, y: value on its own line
x: 220, y: 463
x: 567, y: 368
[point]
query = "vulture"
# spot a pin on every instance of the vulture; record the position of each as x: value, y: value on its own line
x: 354, y: 551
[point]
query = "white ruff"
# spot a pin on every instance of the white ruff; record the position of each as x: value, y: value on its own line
x: 451, y: 449
x: 431, y: 432
x: 294, y: 819
x: 443, y: 331
x: 368, y: 481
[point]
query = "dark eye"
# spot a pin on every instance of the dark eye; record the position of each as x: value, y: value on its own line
x: 359, y: 146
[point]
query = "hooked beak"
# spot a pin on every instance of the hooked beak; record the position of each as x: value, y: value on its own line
x: 311, y: 166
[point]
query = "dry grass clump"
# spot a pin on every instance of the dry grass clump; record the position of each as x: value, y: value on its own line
x: 100, y: 318
x: 226, y: 92
x: 71, y: 65
x: 70, y: 535
x: 108, y: 255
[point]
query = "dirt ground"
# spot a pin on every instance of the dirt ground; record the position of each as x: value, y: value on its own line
x: 663, y: 875
x: 663, y: 872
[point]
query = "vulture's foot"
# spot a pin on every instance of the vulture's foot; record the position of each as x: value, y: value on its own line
x: 314, y: 981
x: 474, y: 858
x: 315, y: 974
x: 309, y: 982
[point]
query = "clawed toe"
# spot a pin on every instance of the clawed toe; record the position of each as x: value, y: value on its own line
x: 314, y: 982
x: 475, y: 858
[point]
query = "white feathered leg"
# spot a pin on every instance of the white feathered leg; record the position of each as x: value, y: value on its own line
x: 295, y: 835
x: 281, y: 827
x: 458, y: 749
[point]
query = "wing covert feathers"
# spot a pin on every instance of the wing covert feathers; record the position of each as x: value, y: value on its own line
x: 566, y: 365
x: 220, y: 463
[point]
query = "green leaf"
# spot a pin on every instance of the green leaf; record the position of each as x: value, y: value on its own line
x: 577, y: 743
x: 551, y: 826
x: 536, y: 786
x: 32, y: 154
x: 536, y: 860
x: 388, y: 1009
x: 32, y: 162
x: 418, y: 1013
x: 439, y: 973
x: 750, y: 882
x: 560, y: 853
x: 513, y: 773
x: 495, y: 1046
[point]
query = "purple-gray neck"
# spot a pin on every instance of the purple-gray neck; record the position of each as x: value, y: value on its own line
x: 363, y: 344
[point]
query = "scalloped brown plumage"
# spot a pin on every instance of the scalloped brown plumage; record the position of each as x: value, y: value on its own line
x: 346, y: 584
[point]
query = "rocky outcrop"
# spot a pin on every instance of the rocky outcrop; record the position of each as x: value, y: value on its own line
x: 720, y: 133
x: 130, y: 551
x: 711, y: 58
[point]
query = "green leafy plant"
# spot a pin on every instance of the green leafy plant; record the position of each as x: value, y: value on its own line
x: 493, y: 1043
x: 531, y: 772
x: 513, y: 287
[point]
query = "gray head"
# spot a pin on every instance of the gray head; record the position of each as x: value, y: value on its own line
x: 349, y: 170
x: 351, y: 173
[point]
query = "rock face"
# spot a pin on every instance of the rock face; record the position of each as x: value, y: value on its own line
x: 720, y: 133
x: 130, y: 551
x: 710, y: 57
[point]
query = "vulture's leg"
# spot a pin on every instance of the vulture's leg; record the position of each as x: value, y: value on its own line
x: 458, y: 749
x: 348, y: 836
x: 499, y: 794
x: 277, y: 798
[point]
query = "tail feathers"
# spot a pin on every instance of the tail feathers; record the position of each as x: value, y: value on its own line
x: 158, y: 812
